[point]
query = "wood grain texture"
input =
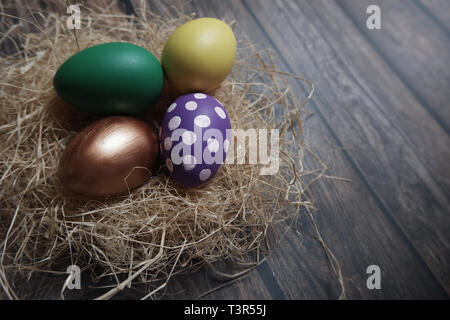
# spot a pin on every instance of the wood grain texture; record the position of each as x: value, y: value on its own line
x: 438, y: 10
x: 414, y: 47
x: 364, y: 102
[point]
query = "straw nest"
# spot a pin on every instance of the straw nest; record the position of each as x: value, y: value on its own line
x: 159, y: 229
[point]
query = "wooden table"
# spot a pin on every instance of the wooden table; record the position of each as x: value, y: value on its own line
x: 382, y: 118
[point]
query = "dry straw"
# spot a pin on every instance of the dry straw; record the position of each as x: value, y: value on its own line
x: 159, y: 229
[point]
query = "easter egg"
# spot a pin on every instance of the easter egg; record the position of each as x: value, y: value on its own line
x: 110, y: 79
x: 109, y: 157
x: 199, y: 55
x: 195, y: 137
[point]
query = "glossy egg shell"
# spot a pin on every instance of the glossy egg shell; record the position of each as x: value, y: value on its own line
x: 109, y: 157
x: 199, y: 55
x: 110, y: 79
x: 194, y: 139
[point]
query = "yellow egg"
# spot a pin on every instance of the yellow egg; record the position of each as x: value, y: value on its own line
x: 199, y: 55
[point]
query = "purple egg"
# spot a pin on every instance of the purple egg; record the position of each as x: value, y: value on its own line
x: 194, y: 138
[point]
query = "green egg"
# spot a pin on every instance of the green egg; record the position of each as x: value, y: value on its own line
x: 110, y: 78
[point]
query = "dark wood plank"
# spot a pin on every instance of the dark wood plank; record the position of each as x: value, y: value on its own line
x: 439, y: 10
x: 339, y: 196
x: 391, y: 140
x: 207, y: 285
x: 358, y: 233
x: 415, y: 47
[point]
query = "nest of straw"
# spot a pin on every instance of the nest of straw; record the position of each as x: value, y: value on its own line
x: 157, y: 230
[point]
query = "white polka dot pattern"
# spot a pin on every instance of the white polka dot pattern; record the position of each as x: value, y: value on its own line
x: 189, y: 137
x: 202, y: 121
x: 172, y: 106
x: 191, y: 105
x: 200, y: 96
x: 204, y: 174
x: 168, y: 143
x: 192, y: 115
x: 220, y: 112
x: 174, y: 123
x: 189, y: 162
x: 213, y: 145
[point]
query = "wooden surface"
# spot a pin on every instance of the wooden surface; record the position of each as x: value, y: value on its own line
x: 381, y: 118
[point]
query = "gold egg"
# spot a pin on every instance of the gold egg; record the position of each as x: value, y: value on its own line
x: 109, y: 157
